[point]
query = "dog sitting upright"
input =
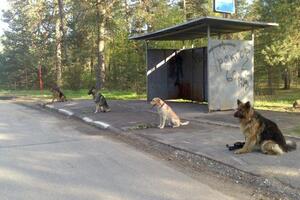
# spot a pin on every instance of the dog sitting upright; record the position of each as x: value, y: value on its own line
x: 261, y: 132
x: 57, y: 94
x: 100, y: 101
x: 166, y: 114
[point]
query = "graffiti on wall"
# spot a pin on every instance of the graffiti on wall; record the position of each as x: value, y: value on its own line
x: 230, y: 73
x: 233, y: 61
x: 242, y: 80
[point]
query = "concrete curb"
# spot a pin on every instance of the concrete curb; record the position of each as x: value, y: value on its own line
x: 66, y: 112
x: 85, y: 119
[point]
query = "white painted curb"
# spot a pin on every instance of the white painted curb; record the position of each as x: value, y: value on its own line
x: 87, y: 119
x: 101, y: 124
x: 69, y: 113
x: 96, y: 123
x: 49, y: 106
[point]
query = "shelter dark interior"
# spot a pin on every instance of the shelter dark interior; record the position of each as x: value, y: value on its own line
x: 176, y: 74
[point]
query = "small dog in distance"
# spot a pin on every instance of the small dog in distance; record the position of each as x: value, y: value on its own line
x: 58, y: 94
x: 100, y: 101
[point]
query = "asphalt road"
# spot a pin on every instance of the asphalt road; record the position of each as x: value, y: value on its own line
x: 47, y: 157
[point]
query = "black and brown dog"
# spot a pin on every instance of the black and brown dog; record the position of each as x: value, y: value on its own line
x: 260, y: 131
x: 57, y: 94
x: 100, y: 101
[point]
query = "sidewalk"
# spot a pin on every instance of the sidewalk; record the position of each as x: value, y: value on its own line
x: 206, y: 135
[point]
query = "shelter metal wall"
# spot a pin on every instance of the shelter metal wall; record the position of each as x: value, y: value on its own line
x: 173, y: 74
x: 230, y: 73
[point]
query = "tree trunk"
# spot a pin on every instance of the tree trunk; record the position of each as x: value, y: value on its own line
x: 26, y: 78
x: 270, y: 81
x: 184, y: 10
x: 287, y: 79
x: 62, y: 29
x: 92, y: 64
x: 298, y: 69
x: 58, y: 37
x: 101, y: 58
x: 100, y: 67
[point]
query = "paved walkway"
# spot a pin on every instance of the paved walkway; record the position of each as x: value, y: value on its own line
x: 126, y: 114
x: 206, y: 135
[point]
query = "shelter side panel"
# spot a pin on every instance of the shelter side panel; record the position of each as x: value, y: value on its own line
x: 157, y: 72
x: 192, y: 86
x: 230, y: 73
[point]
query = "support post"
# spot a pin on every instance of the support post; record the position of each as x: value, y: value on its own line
x: 146, y: 59
x: 252, y: 39
x: 207, y: 62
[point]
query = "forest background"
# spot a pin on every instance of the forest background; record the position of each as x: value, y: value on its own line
x: 79, y: 43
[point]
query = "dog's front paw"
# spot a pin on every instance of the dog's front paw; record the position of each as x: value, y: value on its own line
x: 241, y: 151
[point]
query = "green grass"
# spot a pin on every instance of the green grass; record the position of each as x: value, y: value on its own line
x: 79, y: 94
x: 281, y: 101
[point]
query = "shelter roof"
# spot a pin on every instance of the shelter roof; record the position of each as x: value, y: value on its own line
x: 197, y: 28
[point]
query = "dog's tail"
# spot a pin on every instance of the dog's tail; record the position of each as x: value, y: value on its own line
x: 184, y: 123
x: 290, y: 145
x: 107, y: 108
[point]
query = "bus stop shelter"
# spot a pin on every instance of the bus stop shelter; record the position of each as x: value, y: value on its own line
x: 219, y: 73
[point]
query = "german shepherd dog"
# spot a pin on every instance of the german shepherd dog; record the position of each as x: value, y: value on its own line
x: 260, y: 132
x: 166, y: 114
x: 58, y: 94
x: 100, y: 101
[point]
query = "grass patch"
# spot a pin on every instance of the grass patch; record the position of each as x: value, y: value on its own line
x: 79, y: 94
x: 26, y: 93
x: 282, y: 100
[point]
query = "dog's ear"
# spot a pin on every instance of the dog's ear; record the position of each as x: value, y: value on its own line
x: 248, y: 105
x: 157, y: 101
x: 160, y: 101
x: 238, y: 102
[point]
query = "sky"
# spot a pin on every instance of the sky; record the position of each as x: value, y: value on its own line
x: 3, y: 6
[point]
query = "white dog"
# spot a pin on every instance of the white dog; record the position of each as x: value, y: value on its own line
x: 166, y: 114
